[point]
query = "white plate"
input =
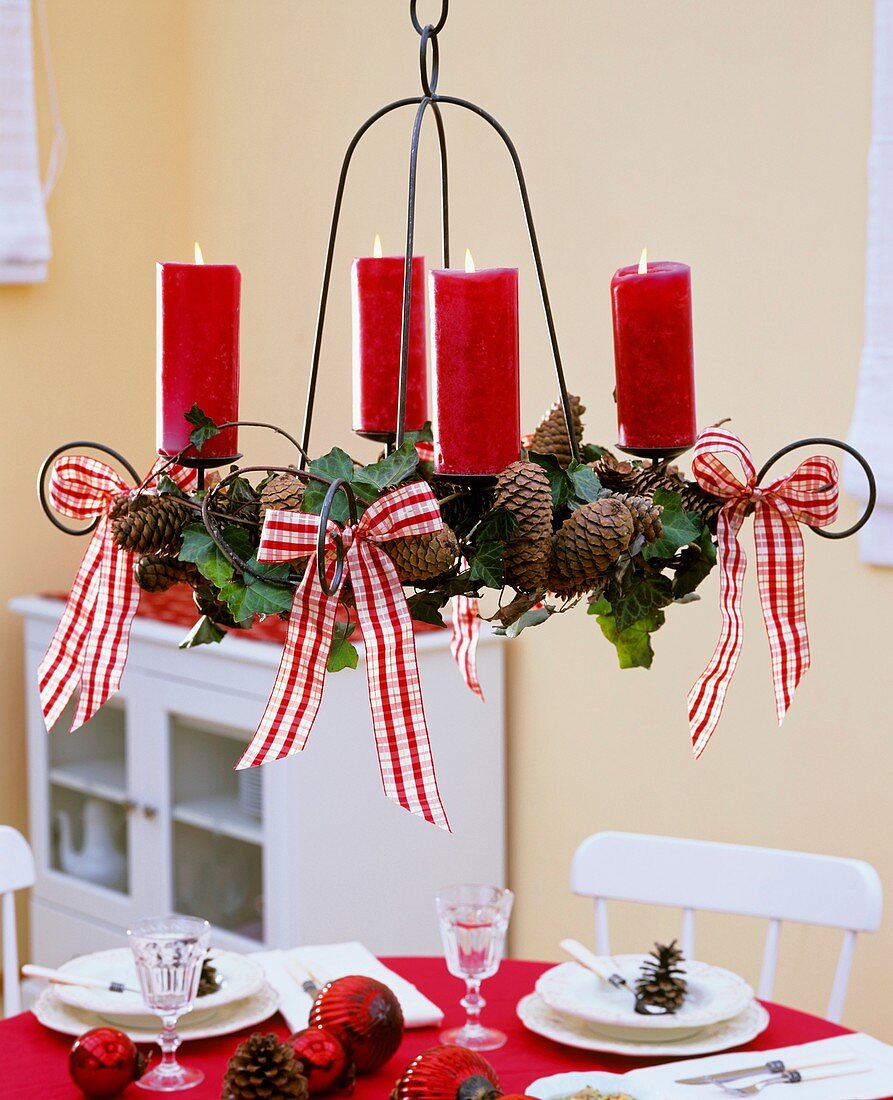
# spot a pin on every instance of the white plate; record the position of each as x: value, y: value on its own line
x: 235, y: 1016
x: 538, y: 1017
x: 560, y: 1085
x: 241, y: 977
x: 713, y: 995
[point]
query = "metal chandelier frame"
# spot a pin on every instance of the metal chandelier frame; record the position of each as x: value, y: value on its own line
x: 429, y: 71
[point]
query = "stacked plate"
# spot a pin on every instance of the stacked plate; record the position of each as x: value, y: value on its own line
x: 243, y: 999
x: 573, y: 1006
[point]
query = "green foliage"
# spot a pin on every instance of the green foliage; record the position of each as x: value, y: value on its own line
x: 204, y: 429
x: 586, y: 485
x: 679, y: 527
x: 490, y: 538
x: 204, y: 632
x: 571, y: 487
x: 533, y: 617
x: 343, y: 653
x: 695, y: 562
x: 168, y: 487
x: 367, y: 482
x: 633, y: 643
x: 199, y: 548
x: 644, y: 594
x: 387, y: 472
x: 425, y: 607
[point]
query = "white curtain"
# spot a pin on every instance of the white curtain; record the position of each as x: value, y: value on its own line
x: 24, y: 230
x: 871, y: 431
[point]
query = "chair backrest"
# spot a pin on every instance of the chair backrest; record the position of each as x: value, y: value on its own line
x: 16, y: 873
x: 732, y: 878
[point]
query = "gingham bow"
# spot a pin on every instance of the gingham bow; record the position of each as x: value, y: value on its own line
x: 808, y: 495
x: 89, y: 646
x: 395, y: 695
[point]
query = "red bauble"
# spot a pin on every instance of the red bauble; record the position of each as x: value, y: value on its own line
x: 103, y: 1062
x: 365, y: 1015
x: 448, y: 1073
x: 323, y: 1056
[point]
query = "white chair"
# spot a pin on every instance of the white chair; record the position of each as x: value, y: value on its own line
x: 732, y: 878
x: 16, y: 873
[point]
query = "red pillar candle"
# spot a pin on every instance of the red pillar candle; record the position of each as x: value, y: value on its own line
x: 477, y: 426
x: 197, y: 354
x: 377, y: 295
x: 653, y: 357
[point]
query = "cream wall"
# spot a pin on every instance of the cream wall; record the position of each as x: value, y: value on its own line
x: 731, y: 135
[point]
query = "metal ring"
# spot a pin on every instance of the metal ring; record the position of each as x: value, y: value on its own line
x: 827, y: 441
x: 429, y: 84
x: 438, y: 26
x: 45, y: 469
x: 330, y: 587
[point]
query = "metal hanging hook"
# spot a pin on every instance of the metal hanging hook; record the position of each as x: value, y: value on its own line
x: 438, y: 26
x: 429, y: 81
x: 47, y: 466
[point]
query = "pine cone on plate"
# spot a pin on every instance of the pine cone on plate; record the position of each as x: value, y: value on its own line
x: 262, y: 1068
x: 551, y: 438
x: 662, y: 982
x: 156, y: 574
x: 523, y: 490
x: 423, y: 557
x: 150, y: 523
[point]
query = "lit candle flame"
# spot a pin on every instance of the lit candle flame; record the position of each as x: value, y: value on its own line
x: 376, y: 247
x: 199, y: 258
x: 469, y: 261
x: 643, y: 262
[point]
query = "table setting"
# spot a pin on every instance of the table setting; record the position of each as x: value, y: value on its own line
x: 333, y: 1019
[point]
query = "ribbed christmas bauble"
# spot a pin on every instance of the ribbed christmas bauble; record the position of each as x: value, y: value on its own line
x: 365, y: 1015
x: 448, y: 1073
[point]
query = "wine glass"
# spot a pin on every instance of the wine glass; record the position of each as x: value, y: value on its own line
x: 169, y: 952
x: 473, y: 922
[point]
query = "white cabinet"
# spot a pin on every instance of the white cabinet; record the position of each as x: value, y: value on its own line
x: 300, y: 851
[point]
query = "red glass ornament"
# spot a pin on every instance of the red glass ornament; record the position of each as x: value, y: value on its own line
x: 448, y: 1073
x: 365, y: 1015
x: 103, y: 1062
x: 323, y: 1056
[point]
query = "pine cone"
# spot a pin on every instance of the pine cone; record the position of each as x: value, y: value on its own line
x: 628, y: 477
x: 646, y: 516
x: 209, y: 981
x: 262, y: 1068
x: 662, y: 980
x: 591, y: 540
x: 155, y: 574
x: 466, y: 509
x: 423, y: 557
x: 550, y: 437
x: 150, y: 523
x: 523, y: 490
x: 282, y: 491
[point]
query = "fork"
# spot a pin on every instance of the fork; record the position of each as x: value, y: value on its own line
x: 789, y: 1077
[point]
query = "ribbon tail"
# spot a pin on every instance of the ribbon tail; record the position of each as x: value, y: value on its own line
x: 782, y: 598
x: 59, y: 672
x: 395, y: 694
x: 297, y: 691
x: 464, y: 641
x: 108, y: 640
x: 707, y: 696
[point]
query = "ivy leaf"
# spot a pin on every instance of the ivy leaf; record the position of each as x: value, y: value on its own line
x: 425, y: 434
x: 695, y: 562
x: 204, y: 632
x: 486, y: 566
x: 497, y: 525
x: 647, y: 594
x: 389, y: 471
x: 168, y: 487
x: 236, y: 596
x: 533, y: 617
x: 633, y: 644
x: 425, y: 607
x: 679, y: 527
x: 335, y: 464
x: 560, y: 481
x: 239, y: 491
x: 586, y: 485
x: 589, y: 452
x: 205, y: 428
x: 200, y: 548
x: 343, y: 653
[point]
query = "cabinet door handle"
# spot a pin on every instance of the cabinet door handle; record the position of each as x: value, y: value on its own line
x: 150, y: 812
x: 128, y: 805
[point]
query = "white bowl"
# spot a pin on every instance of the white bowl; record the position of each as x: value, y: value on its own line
x: 560, y: 1085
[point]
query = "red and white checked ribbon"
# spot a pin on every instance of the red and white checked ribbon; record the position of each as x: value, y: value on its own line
x: 89, y: 647
x: 808, y: 495
x: 466, y: 622
x: 395, y: 695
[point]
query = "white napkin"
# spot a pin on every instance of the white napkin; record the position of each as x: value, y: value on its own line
x: 287, y: 971
x: 875, y: 1084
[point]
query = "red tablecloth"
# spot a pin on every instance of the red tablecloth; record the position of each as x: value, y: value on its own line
x: 33, y: 1061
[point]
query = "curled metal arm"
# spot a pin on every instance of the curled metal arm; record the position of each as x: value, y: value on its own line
x: 827, y: 441
x: 47, y: 466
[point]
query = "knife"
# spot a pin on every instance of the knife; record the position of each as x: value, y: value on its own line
x: 776, y: 1065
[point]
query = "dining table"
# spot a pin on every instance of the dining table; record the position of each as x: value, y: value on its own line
x: 34, y: 1060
